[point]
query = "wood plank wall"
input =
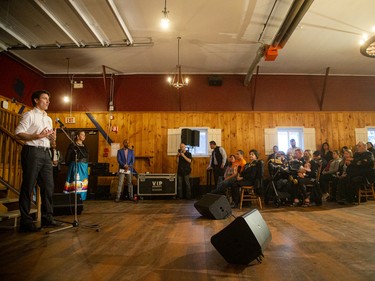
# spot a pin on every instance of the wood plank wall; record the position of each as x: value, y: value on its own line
x: 147, y: 132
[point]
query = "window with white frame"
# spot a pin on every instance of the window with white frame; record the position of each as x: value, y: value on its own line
x: 371, y: 134
x: 284, y: 135
x: 281, y: 136
x: 365, y: 134
x: 205, y: 136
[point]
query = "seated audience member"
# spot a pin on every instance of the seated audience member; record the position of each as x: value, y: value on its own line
x: 326, y: 153
x: 343, y: 149
x: 231, y: 177
x: 230, y: 168
x: 278, y: 170
x: 304, y: 169
x: 329, y: 173
x: 341, y: 177
x: 247, y: 176
x: 289, y: 156
x: 359, y: 171
x: 370, y: 147
x: 305, y: 175
x: 280, y: 163
x: 295, y: 164
x: 317, y: 156
x: 275, y: 150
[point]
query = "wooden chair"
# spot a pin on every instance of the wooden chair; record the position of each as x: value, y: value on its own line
x: 366, y: 191
x: 248, y: 192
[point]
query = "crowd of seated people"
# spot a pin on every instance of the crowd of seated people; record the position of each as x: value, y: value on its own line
x: 359, y: 171
x: 309, y: 178
x: 236, y: 164
x: 242, y: 174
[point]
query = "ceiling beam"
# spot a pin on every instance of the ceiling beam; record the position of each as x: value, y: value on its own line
x: 90, y: 21
x: 42, y: 4
x: 121, y: 21
x: 15, y: 35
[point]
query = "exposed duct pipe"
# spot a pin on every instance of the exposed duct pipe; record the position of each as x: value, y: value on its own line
x: 256, y: 60
x: 296, y: 12
x: 291, y: 21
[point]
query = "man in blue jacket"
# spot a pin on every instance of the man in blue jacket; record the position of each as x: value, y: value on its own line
x: 125, y: 159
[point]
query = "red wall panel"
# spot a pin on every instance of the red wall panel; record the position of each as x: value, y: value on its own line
x: 152, y: 93
x: 18, y: 81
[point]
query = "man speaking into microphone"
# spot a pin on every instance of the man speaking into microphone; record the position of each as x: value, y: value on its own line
x: 35, y: 128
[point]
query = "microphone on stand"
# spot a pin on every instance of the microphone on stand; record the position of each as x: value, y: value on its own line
x: 60, y: 122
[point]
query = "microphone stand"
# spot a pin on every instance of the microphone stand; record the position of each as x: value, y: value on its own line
x: 76, y: 222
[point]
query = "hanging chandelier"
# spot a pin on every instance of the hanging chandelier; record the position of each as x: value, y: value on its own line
x: 178, y: 81
x: 368, y: 47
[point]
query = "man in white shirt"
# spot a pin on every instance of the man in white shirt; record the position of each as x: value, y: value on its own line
x: 35, y: 128
x: 292, y: 149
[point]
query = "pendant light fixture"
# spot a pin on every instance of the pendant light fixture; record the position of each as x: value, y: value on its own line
x: 178, y: 81
x: 165, y: 20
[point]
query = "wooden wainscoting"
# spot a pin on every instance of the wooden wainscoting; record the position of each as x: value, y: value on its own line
x: 147, y: 132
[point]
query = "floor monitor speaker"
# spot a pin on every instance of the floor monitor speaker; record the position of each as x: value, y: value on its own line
x: 63, y: 204
x: 214, y: 206
x: 244, y: 240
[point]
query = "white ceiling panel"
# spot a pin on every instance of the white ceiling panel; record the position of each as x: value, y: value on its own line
x: 218, y: 36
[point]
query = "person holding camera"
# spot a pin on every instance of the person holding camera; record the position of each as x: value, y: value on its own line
x: 184, y: 159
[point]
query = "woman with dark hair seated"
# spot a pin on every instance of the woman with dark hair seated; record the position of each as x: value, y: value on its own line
x: 247, y: 176
x: 326, y: 153
x: 370, y: 147
x: 329, y: 173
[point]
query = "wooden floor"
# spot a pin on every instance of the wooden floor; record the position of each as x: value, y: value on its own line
x: 169, y: 240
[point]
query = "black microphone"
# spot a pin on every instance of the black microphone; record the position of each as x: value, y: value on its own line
x: 61, y: 123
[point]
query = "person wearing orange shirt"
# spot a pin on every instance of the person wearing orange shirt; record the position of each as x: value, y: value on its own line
x: 228, y: 180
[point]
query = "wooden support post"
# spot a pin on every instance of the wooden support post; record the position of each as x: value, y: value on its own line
x: 104, y: 76
x: 324, y: 89
x: 255, y: 89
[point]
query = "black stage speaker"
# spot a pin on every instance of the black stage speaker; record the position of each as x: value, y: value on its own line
x: 99, y: 169
x: 63, y: 204
x: 244, y: 239
x: 213, y: 206
x: 194, y: 138
x: 215, y: 80
x: 186, y: 136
